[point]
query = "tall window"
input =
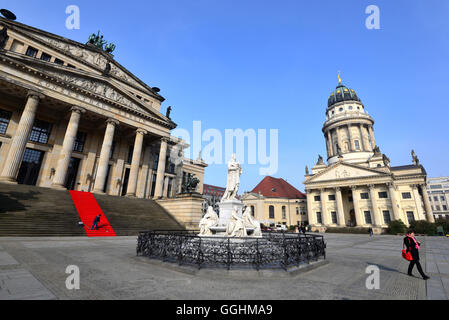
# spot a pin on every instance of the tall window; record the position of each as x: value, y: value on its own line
x: 130, y: 154
x: 387, y: 217
x: 253, y: 211
x: 41, y: 132
x: 169, y: 187
x: 410, y: 216
x: 317, y: 198
x: 368, y: 217
x: 80, y: 141
x: 334, y: 217
x: 271, y: 209
x: 156, y: 163
x: 5, y: 117
x: 297, y: 211
x: 284, y: 213
x: 357, y: 145
x: 319, y: 218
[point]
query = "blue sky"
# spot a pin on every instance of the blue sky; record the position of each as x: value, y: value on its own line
x: 272, y: 65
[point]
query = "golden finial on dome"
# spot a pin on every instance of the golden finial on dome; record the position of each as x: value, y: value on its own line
x: 339, y: 79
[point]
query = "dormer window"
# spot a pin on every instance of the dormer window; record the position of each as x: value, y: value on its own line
x: 341, y: 109
x: 350, y: 108
x: 31, y: 52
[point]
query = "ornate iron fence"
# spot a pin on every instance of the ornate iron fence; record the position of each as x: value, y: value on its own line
x: 270, y: 252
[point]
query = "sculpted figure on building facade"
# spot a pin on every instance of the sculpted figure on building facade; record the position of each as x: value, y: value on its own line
x: 233, y: 183
x: 251, y: 223
x: 236, y: 228
x: 209, y: 220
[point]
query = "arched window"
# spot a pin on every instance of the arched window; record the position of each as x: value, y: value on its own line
x: 271, y: 212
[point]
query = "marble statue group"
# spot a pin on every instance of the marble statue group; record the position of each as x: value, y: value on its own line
x: 234, y: 220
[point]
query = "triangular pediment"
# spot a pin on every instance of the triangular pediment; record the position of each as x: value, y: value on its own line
x: 87, y: 55
x: 94, y: 85
x: 251, y: 196
x: 341, y: 171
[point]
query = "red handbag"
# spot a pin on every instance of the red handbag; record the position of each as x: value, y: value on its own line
x: 407, y: 255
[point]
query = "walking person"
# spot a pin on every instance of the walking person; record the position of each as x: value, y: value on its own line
x: 96, y: 222
x: 412, y: 246
x: 370, y: 231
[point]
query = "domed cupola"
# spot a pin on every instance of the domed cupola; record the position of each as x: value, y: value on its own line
x: 348, y: 129
x: 342, y: 93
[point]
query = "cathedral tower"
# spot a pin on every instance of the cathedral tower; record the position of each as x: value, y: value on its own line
x: 348, y: 129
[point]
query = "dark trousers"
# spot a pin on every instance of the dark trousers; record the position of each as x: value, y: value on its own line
x: 95, y: 226
x: 418, y: 265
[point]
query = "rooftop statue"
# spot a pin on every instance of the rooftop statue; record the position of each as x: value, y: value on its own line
x: 97, y: 40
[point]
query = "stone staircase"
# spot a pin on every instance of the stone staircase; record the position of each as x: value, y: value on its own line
x: 30, y: 211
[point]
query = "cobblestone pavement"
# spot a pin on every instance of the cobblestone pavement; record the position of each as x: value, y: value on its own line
x: 34, y: 268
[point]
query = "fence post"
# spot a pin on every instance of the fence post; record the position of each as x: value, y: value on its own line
x: 229, y: 260
x: 199, y: 255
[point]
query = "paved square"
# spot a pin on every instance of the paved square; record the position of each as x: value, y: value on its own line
x: 109, y: 269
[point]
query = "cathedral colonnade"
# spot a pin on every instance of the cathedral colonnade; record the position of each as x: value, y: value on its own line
x: 363, y: 206
x: 20, y: 138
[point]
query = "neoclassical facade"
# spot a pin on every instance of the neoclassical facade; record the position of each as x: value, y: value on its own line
x: 358, y: 187
x: 71, y: 117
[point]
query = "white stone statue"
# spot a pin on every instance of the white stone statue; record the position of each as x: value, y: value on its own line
x: 251, y: 223
x: 209, y: 220
x: 236, y: 228
x: 233, y: 183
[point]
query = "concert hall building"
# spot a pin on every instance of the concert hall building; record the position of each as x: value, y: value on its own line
x: 71, y: 117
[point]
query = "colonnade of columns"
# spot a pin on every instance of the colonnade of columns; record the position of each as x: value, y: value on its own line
x: 376, y: 215
x: 22, y: 136
x: 365, y: 133
x: 20, y: 139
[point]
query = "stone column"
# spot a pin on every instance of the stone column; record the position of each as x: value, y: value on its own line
x: 362, y: 140
x: 371, y: 133
x: 165, y: 193
x: 376, y: 216
x: 161, y: 169
x: 351, y: 148
x: 394, y: 201
x: 20, y: 139
x: 340, y: 209
x: 103, y: 163
x: 331, y: 143
x: 340, y: 144
x: 67, y: 147
x: 427, y: 207
x: 324, y: 214
x: 135, y: 163
x: 310, y: 213
x: 355, y: 199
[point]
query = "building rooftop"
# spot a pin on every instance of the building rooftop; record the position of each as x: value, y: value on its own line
x: 277, y: 188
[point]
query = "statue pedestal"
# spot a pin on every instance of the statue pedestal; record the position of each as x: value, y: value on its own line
x: 226, y: 209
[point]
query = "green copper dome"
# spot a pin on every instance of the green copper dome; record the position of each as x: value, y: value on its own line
x: 342, y: 93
